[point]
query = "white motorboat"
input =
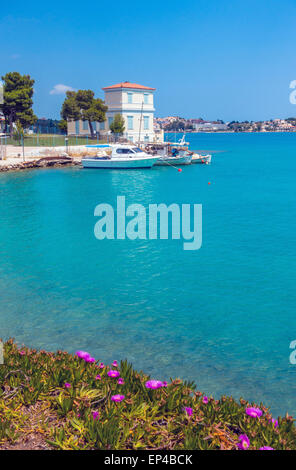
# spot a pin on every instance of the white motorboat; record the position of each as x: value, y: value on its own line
x: 120, y: 157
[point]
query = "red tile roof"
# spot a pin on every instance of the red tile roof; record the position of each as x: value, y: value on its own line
x: 134, y: 86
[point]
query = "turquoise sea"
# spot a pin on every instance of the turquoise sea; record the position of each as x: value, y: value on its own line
x: 223, y: 316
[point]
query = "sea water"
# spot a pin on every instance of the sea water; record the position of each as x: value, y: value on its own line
x: 223, y: 315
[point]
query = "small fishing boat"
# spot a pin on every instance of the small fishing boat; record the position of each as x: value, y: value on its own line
x: 196, y: 158
x: 170, y: 153
x: 174, y: 160
x: 119, y: 157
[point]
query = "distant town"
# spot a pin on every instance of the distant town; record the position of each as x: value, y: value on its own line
x: 178, y: 124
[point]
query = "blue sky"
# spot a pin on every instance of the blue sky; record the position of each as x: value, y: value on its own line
x: 232, y: 60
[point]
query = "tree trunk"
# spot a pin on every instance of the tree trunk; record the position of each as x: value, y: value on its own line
x: 10, y: 125
x: 91, y: 130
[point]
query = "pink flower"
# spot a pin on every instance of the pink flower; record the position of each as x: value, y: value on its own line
x: 113, y: 373
x: 114, y: 364
x: 95, y: 415
x: 120, y: 381
x: 188, y: 410
x: 205, y: 400
x: 254, y: 412
x: 266, y: 448
x: 67, y: 385
x: 101, y: 366
x: 117, y: 398
x: 244, y: 443
x: 98, y: 377
x: 275, y: 422
x: 90, y: 359
x: 164, y: 384
x: 22, y: 353
x: 83, y: 354
x: 153, y: 384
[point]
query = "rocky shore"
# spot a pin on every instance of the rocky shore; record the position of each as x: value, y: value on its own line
x: 17, y: 164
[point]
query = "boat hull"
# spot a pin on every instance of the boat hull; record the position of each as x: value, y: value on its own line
x: 201, y: 159
x: 185, y: 160
x: 120, y: 163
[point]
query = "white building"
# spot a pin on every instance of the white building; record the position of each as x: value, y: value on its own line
x: 209, y: 126
x: 135, y: 103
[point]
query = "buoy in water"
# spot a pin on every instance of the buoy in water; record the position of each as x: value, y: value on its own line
x: 179, y: 169
x: 209, y: 182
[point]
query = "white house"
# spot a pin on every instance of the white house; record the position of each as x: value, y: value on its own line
x: 136, y: 105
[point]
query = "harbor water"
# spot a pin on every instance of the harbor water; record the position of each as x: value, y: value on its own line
x: 223, y: 315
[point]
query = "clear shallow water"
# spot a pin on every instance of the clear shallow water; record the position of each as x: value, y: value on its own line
x: 223, y: 316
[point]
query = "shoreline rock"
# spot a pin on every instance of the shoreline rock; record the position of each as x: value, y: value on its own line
x: 44, y: 162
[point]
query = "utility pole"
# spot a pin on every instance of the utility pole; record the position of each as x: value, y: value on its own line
x: 3, y: 147
x: 141, y: 122
x: 23, y: 145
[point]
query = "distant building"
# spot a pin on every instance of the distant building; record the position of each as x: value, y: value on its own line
x: 209, y: 126
x: 135, y: 103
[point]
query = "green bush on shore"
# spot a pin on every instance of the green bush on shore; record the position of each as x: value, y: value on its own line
x: 76, y: 402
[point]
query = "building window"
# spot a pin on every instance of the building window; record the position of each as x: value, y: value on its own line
x: 129, y: 97
x: 94, y: 126
x: 146, y: 138
x: 146, y: 123
x: 146, y: 98
x: 84, y: 125
x: 76, y: 127
x: 110, y: 120
x: 130, y: 123
x: 102, y: 125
